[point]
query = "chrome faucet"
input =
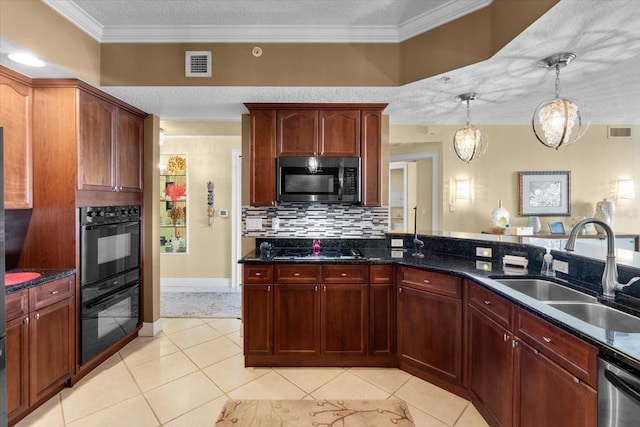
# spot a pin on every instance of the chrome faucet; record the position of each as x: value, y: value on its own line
x: 610, y: 282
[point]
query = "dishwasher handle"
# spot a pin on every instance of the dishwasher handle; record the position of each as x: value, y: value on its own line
x: 628, y: 389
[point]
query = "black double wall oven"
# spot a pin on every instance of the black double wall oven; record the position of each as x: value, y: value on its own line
x: 109, y: 276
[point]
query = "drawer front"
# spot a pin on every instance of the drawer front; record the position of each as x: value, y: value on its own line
x: 297, y: 273
x: 345, y: 273
x: 573, y: 354
x: 492, y: 305
x: 51, y: 292
x: 258, y: 274
x: 381, y: 274
x: 17, y: 304
x: 429, y: 281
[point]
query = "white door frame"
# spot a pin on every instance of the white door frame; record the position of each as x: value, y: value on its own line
x: 435, y: 180
x: 405, y: 184
x: 236, y: 217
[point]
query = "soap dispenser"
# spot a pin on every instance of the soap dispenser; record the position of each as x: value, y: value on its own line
x: 547, y: 265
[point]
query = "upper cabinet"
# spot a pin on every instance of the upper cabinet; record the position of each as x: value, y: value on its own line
x: 16, y: 107
x: 330, y: 130
x: 110, y: 146
x: 318, y: 132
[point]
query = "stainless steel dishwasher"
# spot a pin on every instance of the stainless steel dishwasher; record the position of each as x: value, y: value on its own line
x: 618, y: 396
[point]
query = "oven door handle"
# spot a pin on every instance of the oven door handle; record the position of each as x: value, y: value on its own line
x: 628, y: 389
x: 115, y: 225
x: 113, y: 296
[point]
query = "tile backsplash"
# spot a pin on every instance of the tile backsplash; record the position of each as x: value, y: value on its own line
x: 316, y: 220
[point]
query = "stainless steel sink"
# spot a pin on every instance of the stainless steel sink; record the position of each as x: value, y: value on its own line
x: 544, y: 290
x: 600, y: 315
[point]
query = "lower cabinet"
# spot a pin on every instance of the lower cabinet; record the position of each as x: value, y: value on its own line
x: 524, y: 371
x: 40, y: 344
x: 257, y: 310
x: 382, y: 310
x: 429, y: 326
x: 296, y: 319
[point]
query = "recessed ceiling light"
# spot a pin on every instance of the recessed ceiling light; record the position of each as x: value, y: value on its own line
x: 26, y: 59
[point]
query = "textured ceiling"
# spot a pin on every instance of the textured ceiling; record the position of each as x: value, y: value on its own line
x: 605, y: 77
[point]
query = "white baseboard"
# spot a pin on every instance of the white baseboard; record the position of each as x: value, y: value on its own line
x: 150, y: 329
x: 196, y: 284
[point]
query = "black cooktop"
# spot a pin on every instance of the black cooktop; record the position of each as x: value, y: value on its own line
x: 325, y: 253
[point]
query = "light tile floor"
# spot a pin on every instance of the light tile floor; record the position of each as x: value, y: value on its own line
x: 183, y: 376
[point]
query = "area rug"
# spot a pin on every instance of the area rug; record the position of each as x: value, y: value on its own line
x: 336, y: 413
x: 221, y: 305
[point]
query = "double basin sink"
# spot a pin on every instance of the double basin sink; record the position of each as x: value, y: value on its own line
x: 574, y: 303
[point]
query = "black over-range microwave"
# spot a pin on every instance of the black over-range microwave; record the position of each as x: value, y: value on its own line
x: 318, y: 179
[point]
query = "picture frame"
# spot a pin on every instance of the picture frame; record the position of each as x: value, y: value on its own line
x: 544, y: 193
x: 556, y: 228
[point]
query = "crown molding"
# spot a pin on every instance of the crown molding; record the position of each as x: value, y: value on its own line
x: 77, y: 16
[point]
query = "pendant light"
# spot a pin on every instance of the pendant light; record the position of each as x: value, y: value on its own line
x: 313, y: 165
x: 558, y: 122
x: 467, y: 141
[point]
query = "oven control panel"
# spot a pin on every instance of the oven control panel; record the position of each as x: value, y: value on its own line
x: 109, y: 214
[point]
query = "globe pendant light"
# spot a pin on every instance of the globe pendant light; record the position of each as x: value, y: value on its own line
x: 467, y: 141
x: 313, y: 165
x: 558, y: 122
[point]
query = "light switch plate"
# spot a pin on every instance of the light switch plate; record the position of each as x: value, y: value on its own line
x: 483, y: 265
x: 397, y: 243
x: 397, y: 253
x: 561, y: 266
x: 254, y: 223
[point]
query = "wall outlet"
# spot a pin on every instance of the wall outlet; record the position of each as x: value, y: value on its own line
x: 484, y: 252
x: 254, y: 223
x: 561, y: 266
x: 397, y: 243
x: 483, y: 265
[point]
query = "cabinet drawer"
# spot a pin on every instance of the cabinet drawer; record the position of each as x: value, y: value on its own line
x: 573, y: 354
x: 17, y: 304
x: 492, y: 305
x: 258, y: 274
x: 345, y: 273
x: 381, y: 274
x: 429, y: 281
x: 297, y: 273
x: 54, y: 291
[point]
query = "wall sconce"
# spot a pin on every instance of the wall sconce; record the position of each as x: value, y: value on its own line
x: 463, y: 189
x: 558, y: 122
x: 626, y: 189
x: 467, y: 141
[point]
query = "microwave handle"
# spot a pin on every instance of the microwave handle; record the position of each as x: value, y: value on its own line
x: 340, y: 181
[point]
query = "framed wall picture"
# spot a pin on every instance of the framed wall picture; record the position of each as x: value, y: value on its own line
x: 545, y: 193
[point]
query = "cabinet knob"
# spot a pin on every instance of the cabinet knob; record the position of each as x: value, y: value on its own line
x: 487, y: 302
x: 26, y: 321
x: 258, y: 274
x: 426, y: 281
x: 399, y: 290
x: 37, y: 316
x: 514, y: 343
x: 343, y: 275
x: 546, y: 339
x: 324, y: 288
x: 506, y: 337
x: 54, y: 292
x: 296, y: 274
x: 316, y: 288
x: 269, y: 288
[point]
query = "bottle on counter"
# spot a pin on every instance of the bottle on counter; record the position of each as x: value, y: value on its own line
x: 547, y: 265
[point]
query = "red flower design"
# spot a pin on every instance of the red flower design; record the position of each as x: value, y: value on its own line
x: 175, y: 191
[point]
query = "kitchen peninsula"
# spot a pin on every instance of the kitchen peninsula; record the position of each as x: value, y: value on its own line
x: 440, y: 316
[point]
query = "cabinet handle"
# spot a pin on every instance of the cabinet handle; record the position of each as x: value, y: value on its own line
x: 26, y: 321
x: 296, y: 274
x: 54, y: 292
x: 324, y: 288
x: 400, y: 290
x: 343, y: 274
x: 258, y: 274
x: 536, y: 352
x: 269, y: 288
x: 506, y: 337
x: 487, y: 302
x: 37, y: 316
x: 316, y: 288
x: 546, y: 339
x: 426, y: 281
x: 576, y: 380
x: 514, y: 343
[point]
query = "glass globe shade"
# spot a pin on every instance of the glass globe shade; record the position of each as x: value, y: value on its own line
x: 557, y: 122
x: 467, y: 143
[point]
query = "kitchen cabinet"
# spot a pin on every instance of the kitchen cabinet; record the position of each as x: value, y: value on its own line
x: 257, y: 309
x: 524, y: 371
x: 340, y: 130
x: 318, y: 132
x: 16, y: 115
x: 110, y: 145
x: 382, y: 310
x: 40, y: 344
x: 429, y: 326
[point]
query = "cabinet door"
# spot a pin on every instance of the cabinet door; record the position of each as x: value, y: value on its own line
x: 371, y: 152
x: 297, y: 133
x: 16, y: 121
x: 129, y: 148
x: 51, y: 344
x: 490, y: 367
x: 257, y: 317
x: 17, y: 366
x: 262, y: 180
x: 96, y: 145
x: 547, y: 395
x: 430, y: 333
x: 382, y: 310
x: 296, y: 319
x: 344, y: 319
x: 339, y: 133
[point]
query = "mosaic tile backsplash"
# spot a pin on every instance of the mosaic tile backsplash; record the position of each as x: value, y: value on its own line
x: 317, y: 221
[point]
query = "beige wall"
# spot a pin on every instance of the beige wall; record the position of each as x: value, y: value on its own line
x: 209, y: 247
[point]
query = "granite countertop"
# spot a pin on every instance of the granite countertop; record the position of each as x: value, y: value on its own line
x: 622, y: 346
x: 46, y: 275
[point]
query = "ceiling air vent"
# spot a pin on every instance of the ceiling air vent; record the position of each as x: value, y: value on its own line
x: 618, y: 132
x: 197, y: 64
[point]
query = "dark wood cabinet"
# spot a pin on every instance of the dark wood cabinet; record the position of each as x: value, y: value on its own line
x: 339, y: 133
x: 262, y: 179
x: 296, y: 319
x: 297, y: 133
x: 548, y: 395
x: 110, y: 145
x: 429, y: 326
x: 16, y: 115
x: 371, y: 156
x: 382, y: 310
x: 344, y: 319
x: 40, y: 344
x: 257, y: 309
